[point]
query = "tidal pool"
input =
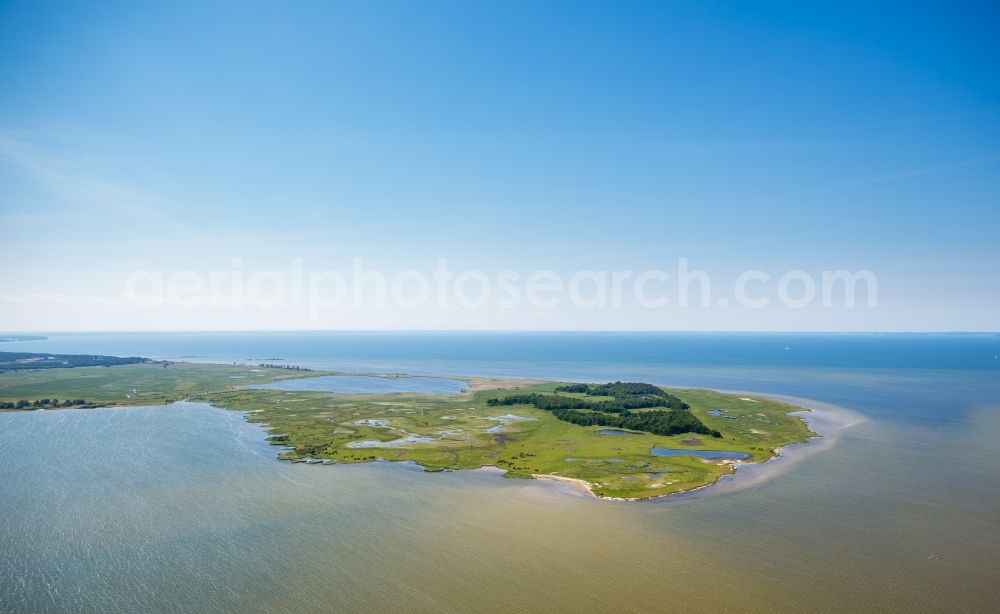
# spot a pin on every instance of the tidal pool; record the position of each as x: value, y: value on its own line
x: 713, y: 454
x: 615, y: 432
x: 402, y: 441
x: 720, y: 413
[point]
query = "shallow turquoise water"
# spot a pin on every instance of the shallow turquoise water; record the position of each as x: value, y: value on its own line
x: 185, y: 509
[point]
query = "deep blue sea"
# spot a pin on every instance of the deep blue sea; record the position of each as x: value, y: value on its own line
x: 907, y: 377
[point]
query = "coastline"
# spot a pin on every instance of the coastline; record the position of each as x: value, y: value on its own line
x: 827, y: 420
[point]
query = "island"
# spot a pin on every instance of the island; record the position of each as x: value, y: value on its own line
x: 615, y: 440
x: 30, y: 361
x: 4, y: 338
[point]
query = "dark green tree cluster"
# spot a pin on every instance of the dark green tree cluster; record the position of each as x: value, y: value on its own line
x: 21, y: 361
x: 657, y: 421
x: 621, y: 389
x: 40, y: 403
x: 620, y: 403
x: 618, y: 412
x: 551, y: 402
x: 271, y: 365
x: 578, y: 388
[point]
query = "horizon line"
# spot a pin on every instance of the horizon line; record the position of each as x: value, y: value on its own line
x: 513, y: 331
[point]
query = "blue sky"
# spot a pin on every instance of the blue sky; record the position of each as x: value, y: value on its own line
x: 505, y: 135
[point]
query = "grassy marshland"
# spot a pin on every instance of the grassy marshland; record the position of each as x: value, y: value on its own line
x: 454, y: 431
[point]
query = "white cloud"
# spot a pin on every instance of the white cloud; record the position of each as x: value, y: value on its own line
x: 69, y: 181
x: 917, y: 172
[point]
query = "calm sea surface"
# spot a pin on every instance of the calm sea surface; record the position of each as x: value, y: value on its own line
x: 184, y: 508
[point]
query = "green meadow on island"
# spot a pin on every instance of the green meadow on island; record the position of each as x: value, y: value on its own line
x: 616, y: 440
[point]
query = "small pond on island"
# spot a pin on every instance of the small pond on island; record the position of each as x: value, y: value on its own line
x: 713, y: 454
